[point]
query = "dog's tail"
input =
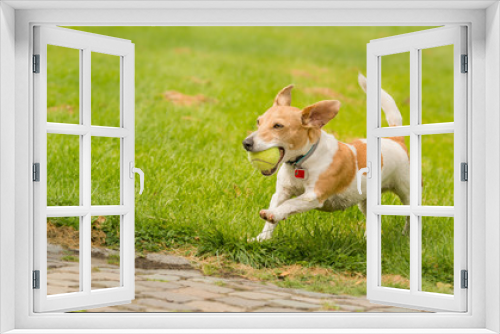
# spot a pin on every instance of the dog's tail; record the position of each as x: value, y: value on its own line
x: 392, y: 113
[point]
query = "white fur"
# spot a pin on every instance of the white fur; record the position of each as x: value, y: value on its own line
x: 388, y: 104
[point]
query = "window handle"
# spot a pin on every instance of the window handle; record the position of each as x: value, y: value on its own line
x: 360, y: 172
x: 132, y: 172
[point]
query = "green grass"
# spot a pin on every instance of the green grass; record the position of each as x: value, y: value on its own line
x: 69, y: 258
x: 113, y: 259
x: 199, y: 188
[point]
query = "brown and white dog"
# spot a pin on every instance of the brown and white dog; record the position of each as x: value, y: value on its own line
x: 328, y: 179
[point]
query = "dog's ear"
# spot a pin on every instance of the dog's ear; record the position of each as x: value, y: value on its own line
x: 284, y: 97
x: 320, y: 113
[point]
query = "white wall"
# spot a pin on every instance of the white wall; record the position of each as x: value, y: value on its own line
x: 492, y: 164
x: 7, y: 163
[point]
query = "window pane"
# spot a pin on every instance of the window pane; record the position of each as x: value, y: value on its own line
x: 105, y: 90
x: 395, y: 252
x: 63, y: 248
x: 395, y: 166
x: 63, y: 85
x: 437, y: 84
x: 395, y: 80
x: 63, y: 170
x: 105, y: 252
x: 105, y: 171
x: 437, y: 169
x: 437, y: 254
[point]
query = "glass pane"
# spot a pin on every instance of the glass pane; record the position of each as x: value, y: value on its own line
x: 63, y: 170
x: 105, y: 171
x: 437, y: 169
x: 395, y: 80
x: 395, y: 166
x: 437, y: 84
x: 63, y: 248
x: 105, y: 252
x: 105, y: 90
x: 63, y: 85
x: 437, y: 254
x: 395, y: 251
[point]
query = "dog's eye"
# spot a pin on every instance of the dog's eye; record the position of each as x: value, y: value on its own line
x: 277, y: 126
x: 257, y: 122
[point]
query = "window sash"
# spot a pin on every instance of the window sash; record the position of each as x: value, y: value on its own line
x: 413, y: 43
x: 86, y: 44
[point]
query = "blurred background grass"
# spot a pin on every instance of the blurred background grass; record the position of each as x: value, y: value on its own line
x: 200, y: 190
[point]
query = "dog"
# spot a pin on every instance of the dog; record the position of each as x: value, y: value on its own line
x: 315, y: 170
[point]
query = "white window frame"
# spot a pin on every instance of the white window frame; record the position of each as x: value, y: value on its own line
x: 414, y: 43
x: 484, y: 211
x: 85, y: 44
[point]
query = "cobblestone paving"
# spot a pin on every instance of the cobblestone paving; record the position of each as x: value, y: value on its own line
x: 188, y: 290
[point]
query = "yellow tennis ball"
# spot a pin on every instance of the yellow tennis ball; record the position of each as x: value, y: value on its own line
x: 265, y: 160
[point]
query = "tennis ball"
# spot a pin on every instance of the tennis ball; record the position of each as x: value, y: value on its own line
x: 265, y: 160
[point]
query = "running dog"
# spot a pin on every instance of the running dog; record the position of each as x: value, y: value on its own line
x: 318, y: 171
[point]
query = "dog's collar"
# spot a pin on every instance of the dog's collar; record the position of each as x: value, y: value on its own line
x: 300, y: 159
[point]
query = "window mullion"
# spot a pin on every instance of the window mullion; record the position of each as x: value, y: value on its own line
x: 86, y: 165
x: 415, y: 89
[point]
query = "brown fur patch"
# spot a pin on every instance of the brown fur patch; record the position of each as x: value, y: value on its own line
x: 361, y: 154
x: 294, y: 133
x: 339, y: 174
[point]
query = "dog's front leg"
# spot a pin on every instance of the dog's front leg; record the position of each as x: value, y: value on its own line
x: 302, y: 203
x: 279, y: 197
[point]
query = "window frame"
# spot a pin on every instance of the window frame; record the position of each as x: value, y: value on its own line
x: 485, y: 236
x: 414, y: 44
x: 85, y: 44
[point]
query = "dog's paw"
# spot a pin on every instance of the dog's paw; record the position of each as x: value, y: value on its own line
x: 269, y: 216
x: 261, y: 237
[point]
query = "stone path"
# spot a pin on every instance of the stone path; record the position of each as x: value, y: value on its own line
x: 187, y: 290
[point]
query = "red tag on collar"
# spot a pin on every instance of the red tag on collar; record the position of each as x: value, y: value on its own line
x: 300, y: 173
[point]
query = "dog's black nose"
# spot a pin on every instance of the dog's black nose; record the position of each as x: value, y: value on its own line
x: 248, y: 143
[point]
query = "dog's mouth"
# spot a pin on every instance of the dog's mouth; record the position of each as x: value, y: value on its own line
x: 273, y: 170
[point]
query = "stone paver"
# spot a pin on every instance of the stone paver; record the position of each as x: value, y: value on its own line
x: 171, y: 296
x: 277, y: 310
x: 254, y: 295
x: 207, y: 287
x: 294, y: 304
x: 173, y: 285
x: 163, y: 278
x: 198, y: 293
x: 209, y: 306
x: 349, y: 308
x: 182, y: 273
x: 143, y: 286
x: 309, y: 300
x: 242, y: 302
x: 163, y: 305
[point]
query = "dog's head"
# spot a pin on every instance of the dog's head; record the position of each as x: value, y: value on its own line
x: 290, y: 129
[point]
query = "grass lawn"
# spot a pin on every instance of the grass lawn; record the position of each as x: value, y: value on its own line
x: 201, y: 194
